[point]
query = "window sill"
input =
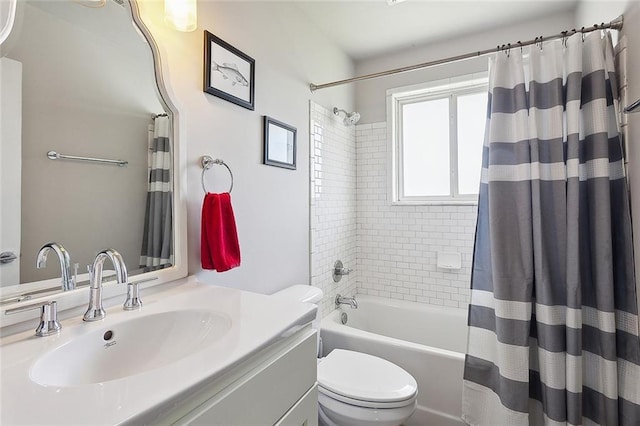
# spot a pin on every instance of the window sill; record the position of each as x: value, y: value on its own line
x: 435, y: 203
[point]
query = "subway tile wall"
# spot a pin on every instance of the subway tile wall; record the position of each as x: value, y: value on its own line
x: 333, y: 203
x: 397, y: 245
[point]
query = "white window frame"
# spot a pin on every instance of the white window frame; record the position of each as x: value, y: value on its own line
x: 440, y: 89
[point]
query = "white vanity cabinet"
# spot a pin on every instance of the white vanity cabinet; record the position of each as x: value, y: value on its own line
x: 277, y: 386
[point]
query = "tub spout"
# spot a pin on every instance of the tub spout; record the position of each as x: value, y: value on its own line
x: 351, y: 301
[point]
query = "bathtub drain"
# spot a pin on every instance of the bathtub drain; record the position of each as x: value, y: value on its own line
x: 343, y: 318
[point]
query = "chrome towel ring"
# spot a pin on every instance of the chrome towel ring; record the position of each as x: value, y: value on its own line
x: 207, y: 162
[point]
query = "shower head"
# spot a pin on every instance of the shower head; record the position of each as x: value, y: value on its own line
x: 350, y: 118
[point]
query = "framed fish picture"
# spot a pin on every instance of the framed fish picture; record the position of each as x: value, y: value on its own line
x: 228, y: 73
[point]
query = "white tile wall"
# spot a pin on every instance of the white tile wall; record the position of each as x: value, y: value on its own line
x: 333, y: 203
x: 397, y: 244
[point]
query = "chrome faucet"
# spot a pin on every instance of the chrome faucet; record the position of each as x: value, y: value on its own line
x: 68, y: 283
x: 351, y: 301
x: 95, y: 311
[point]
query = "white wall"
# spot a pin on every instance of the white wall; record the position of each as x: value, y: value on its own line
x: 10, y: 165
x: 631, y: 33
x: 370, y: 95
x: 597, y: 11
x: 333, y: 204
x: 271, y: 204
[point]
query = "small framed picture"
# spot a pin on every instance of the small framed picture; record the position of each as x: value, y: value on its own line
x: 279, y: 144
x: 228, y: 73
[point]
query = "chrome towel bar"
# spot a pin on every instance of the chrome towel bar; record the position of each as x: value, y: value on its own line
x: 52, y: 155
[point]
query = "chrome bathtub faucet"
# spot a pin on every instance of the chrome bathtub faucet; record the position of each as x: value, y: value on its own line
x: 351, y: 301
x: 95, y: 311
x: 68, y: 282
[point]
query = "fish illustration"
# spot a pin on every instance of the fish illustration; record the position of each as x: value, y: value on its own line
x: 230, y: 72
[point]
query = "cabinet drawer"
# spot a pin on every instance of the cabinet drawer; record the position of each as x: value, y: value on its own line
x: 265, y: 393
x: 304, y: 413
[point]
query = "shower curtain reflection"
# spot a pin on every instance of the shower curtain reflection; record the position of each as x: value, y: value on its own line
x: 157, y: 243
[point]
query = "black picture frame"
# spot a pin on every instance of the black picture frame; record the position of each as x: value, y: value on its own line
x: 228, y: 73
x: 280, y: 145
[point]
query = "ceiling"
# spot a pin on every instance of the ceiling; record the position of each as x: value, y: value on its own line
x: 370, y: 28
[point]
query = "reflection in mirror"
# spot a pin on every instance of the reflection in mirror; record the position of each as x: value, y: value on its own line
x: 80, y: 81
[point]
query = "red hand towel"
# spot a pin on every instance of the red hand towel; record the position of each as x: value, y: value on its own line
x: 219, y: 246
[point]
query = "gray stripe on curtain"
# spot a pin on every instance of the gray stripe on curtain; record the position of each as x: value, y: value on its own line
x: 513, y: 394
x: 559, y: 405
x: 160, y: 176
x: 157, y: 241
x: 513, y: 153
x: 510, y: 331
x: 557, y: 338
x: 553, y: 287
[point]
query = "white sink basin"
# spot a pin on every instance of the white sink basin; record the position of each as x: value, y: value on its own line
x: 130, y: 347
x: 188, y: 336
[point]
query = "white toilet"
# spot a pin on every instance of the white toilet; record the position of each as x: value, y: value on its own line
x: 357, y: 389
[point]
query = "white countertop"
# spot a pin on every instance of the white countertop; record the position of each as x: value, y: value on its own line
x: 256, y: 322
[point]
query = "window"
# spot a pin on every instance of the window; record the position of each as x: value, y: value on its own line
x: 437, y: 131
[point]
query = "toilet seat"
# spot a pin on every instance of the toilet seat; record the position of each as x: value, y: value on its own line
x: 366, y: 404
x: 365, y: 380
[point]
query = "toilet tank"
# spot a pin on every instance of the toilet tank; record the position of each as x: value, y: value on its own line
x: 301, y: 293
x: 306, y: 294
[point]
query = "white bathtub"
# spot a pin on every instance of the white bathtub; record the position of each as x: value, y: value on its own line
x: 427, y: 341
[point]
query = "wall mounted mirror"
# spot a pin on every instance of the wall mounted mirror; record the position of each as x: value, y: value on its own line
x: 79, y: 78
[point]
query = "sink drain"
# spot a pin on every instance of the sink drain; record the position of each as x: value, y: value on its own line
x: 108, y: 335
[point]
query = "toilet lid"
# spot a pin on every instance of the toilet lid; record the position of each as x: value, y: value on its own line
x: 365, y: 377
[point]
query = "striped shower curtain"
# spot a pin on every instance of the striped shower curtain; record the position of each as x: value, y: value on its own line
x: 157, y: 242
x: 553, y: 319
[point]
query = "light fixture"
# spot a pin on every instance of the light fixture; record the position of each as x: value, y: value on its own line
x: 181, y: 14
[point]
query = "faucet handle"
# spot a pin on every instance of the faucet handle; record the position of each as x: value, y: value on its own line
x: 133, y: 300
x: 48, y: 317
x: 339, y: 270
x: 48, y: 320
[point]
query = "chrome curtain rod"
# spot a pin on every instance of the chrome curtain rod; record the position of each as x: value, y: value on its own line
x: 634, y: 107
x: 616, y: 24
x: 52, y: 155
